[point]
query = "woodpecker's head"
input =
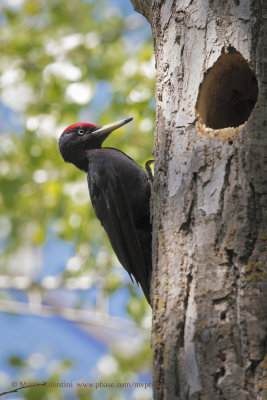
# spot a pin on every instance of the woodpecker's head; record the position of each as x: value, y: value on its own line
x: 77, y: 139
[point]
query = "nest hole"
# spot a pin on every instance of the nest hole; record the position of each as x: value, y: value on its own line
x: 226, y: 96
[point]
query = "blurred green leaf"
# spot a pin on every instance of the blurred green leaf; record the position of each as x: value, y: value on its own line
x: 16, y: 362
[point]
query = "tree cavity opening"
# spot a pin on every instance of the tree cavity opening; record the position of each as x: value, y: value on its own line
x: 226, y: 96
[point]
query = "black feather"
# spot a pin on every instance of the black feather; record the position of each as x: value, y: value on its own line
x: 113, y: 208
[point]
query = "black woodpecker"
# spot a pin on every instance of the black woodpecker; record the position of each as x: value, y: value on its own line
x: 120, y: 192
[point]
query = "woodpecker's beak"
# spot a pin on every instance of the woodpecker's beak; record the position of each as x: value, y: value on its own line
x: 107, y: 129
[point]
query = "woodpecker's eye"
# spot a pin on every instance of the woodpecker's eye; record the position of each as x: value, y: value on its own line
x: 80, y: 131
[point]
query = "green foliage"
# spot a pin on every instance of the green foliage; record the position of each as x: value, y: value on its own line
x: 51, y: 388
x: 63, y: 62
x: 16, y: 362
x: 43, y: 56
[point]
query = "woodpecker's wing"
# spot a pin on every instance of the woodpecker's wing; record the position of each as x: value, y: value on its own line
x: 113, y: 209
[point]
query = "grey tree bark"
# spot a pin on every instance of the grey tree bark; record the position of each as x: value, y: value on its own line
x: 209, y: 199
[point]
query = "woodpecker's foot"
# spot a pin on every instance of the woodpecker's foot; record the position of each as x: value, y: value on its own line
x: 149, y: 170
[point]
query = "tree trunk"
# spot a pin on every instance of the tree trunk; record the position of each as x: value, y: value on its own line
x: 209, y: 199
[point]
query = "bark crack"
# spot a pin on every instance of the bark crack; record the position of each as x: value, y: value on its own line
x: 256, y: 9
x: 187, y: 225
x: 188, y: 287
x: 253, y: 212
x: 221, y: 199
